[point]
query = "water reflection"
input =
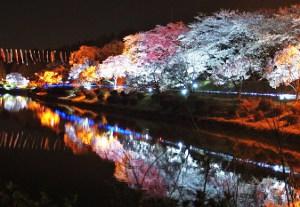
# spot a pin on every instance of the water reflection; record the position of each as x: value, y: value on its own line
x: 46, y: 116
x: 159, y: 167
x: 14, y: 103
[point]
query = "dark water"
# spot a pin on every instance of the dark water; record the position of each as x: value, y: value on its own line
x: 65, y: 150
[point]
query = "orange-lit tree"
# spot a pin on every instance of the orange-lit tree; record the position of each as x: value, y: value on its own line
x: 50, y: 77
x: 90, y: 53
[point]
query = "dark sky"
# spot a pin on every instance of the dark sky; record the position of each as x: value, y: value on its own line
x: 42, y: 23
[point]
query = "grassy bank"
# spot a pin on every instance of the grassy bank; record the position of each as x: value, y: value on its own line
x: 255, y: 115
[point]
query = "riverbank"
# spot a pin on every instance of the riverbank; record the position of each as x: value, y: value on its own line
x: 255, y: 117
x: 251, y: 114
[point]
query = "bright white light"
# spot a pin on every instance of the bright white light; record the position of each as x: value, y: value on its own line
x: 287, y: 97
x: 87, y: 85
x: 195, y: 86
x: 180, y: 145
x: 147, y: 136
x: 184, y: 92
x: 150, y: 90
x: 14, y: 103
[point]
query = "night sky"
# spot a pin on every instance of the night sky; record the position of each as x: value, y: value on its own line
x: 42, y: 24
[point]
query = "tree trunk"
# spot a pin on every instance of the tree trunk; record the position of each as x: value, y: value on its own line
x: 240, y: 89
x: 297, y: 89
x: 115, y: 83
x: 156, y: 88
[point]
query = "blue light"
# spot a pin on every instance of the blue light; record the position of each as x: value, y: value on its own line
x: 115, y: 129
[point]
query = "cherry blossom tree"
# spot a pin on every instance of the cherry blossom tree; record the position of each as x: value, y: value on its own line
x: 133, y: 46
x: 231, y: 46
x: 273, y: 32
x: 179, y: 72
x: 284, y: 69
x: 116, y: 67
x: 151, y: 50
x: 16, y: 80
x: 78, y: 68
x: 217, y: 41
x: 161, y: 43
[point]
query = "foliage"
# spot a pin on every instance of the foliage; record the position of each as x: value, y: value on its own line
x: 49, y: 77
x: 16, y: 80
x: 11, y: 195
x: 285, y: 67
x: 151, y: 50
x: 113, y: 48
x: 84, y: 53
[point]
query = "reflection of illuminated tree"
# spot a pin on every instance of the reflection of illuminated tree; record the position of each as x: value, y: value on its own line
x: 46, y: 116
x: 14, y: 103
x: 170, y: 171
x: 178, y: 172
x: 139, y: 173
x: 49, y: 118
x: 72, y: 141
x: 108, y: 147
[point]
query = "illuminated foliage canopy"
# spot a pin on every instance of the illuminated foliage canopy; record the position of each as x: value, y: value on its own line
x: 231, y: 46
x: 151, y: 50
x: 225, y: 47
x: 285, y: 67
x: 16, y: 80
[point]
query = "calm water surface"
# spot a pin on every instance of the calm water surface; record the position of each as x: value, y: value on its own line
x: 65, y: 150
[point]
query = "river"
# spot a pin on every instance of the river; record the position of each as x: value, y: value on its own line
x: 68, y: 150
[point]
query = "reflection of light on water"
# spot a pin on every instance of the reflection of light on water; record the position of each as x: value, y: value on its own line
x: 140, y: 173
x: 46, y: 116
x: 71, y: 140
x: 108, y: 147
x: 49, y: 118
x: 107, y: 127
x: 287, y: 97
x: 14, y: 103
x: 166, y: 169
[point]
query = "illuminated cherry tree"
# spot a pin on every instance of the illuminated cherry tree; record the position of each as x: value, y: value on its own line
x: 16, y: 80
x: 227, y: 47
x: 78, y: 68
x: 218, y: 41
x: 234, y: 71
x: 181, y: 73
x: 115, y: 67
x: 231, y: 46
x: 151, y: 50
x: 133, y: 46
x: 161, y: 43
x: 284, y: 69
